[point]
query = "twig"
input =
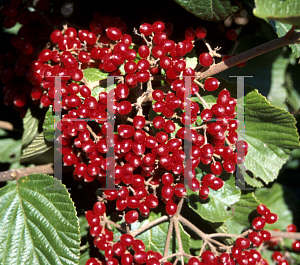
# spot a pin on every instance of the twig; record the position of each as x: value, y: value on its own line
x: 176, y: 226
x: 96, y: 137
x: 107, y: 221
x: 202, y: 100
x: 192, y: 226
x: 6, y: 125
x: 247, y: 55
x: 285, y: 234
x: 15, y: 174
x: 168, y: 238
x: 175, y: 255
x: 149, y: 225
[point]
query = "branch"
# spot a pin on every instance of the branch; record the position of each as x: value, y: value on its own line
x: 15, y: 174
x: 252, y: 53
x: 202, y: 100
x: 149, y: 225
x: 170, y: 230
x: 6, y: 125
x: 192, y: 226
x: 285, y: 234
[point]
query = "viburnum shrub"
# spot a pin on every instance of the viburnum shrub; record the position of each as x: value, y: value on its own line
x: 171, y: 156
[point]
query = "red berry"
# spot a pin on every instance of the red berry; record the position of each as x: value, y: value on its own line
x: 296, y: 246
x: 291, y: 228
x: 242, y: 243
x: 231, y: 34
x: 271, y: 218
x: 201, y: 32
x: 131, y: 216
x: 207, y: 256
x: 205, y: 59
x: 211, y: 84
x: 113, y: 33
x: 258, y: 223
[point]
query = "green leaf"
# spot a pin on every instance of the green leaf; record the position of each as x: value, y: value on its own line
x: 215, y: 208
x: 282, y: 29
x: 241, y: 211
x: 30, y: 125
x: 39, y: 226
x: 94, y: 74
x: 280, y: 200
x: 271, y: 134
x: 278, y: 93
x: 292, y: 79
x: 10, y: 146
x: 38, y: 151
x: 48, y: 126
x: 284, y: 11
x: 212, y: 10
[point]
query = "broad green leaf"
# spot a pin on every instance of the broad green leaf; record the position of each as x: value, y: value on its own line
x: 215, y: 208
x: 241, y: 211
x: 212, y: 10
x: 48, y: 125
x: 280, y: 200
x: 271, y: 135
x: 39, y: 226
x: 94, y: 74
x: 287, y: 11
x: 282, y: 29
x: 292, y: 79
x: 38, y: 151
x: 30, y: 125
x: 278, y: 92
x: 10, y: 146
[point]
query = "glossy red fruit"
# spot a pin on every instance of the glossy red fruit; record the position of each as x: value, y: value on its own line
x: 205, y: 59
x: 201, y: 32
x: 131, y: 216
x: 113, y: 33
x: 258, y: 223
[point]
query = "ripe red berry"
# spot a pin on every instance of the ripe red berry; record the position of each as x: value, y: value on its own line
x: 201, y: 32
x: 205, y: 59
x: 113, y: 33
x: 271, y: 218
x: 291, y: 228
x: 131, y: 216
x: 211, y: 83
x: 296, y: 246
x: 258, y: 223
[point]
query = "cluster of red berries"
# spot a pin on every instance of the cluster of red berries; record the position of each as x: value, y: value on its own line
x: 148, y: 169
x: 127, y: 249
x: 15, y: 66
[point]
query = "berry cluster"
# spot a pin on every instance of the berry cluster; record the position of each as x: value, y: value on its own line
x: 153, y: 159
x: 15, y: 65
x: 128, y: 249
